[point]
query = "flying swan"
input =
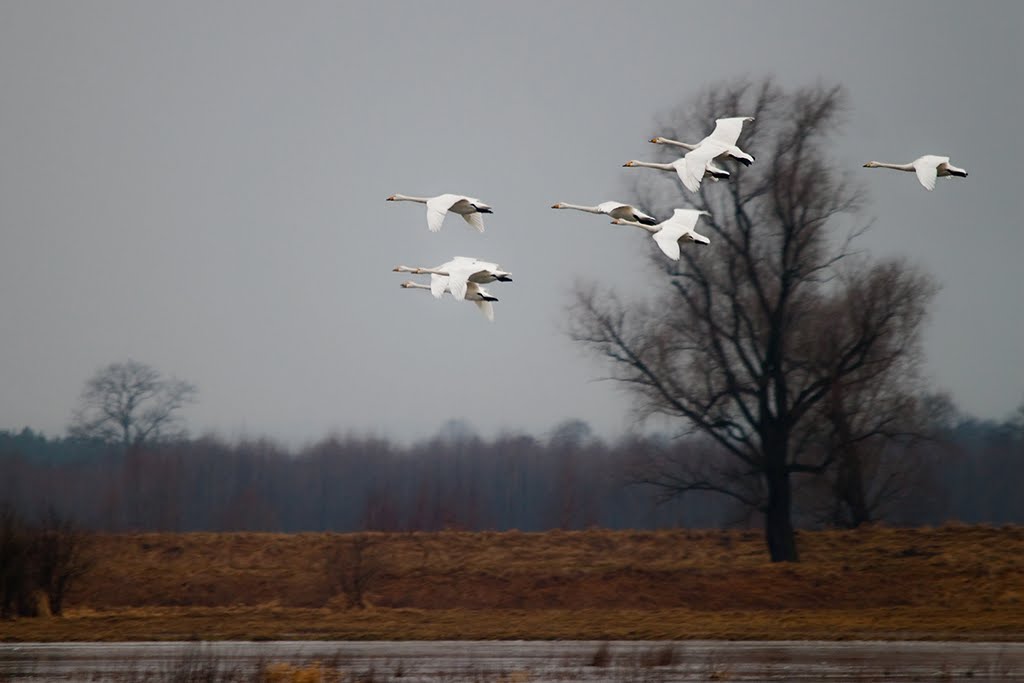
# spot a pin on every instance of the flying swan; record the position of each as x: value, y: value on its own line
x: 469, y: 208
x: 723, y: 139
x: 456, y: 275
x: 668, y: 234
x: 474, y: 292
x: 928, y: 168
x: 682, y: 168
x: 613, y: 209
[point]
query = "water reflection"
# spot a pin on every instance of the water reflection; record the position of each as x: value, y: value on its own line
x: 542, y: 661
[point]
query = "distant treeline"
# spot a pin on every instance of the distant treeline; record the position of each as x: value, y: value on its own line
x: 456, y: 480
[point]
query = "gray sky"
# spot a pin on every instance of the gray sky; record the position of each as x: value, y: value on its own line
x: 200, y: 186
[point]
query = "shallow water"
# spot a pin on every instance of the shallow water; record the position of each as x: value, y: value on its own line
x: 548, y: 661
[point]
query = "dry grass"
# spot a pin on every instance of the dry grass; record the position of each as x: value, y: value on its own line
x: 955, y: 582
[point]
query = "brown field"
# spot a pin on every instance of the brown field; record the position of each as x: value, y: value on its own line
x: 955, y: 582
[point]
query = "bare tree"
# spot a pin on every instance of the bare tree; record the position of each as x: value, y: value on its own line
x: 61, y: 556
x: 15, y: 563
x: 131, y: 403
x: 750, y: 337
x: 352, y: 564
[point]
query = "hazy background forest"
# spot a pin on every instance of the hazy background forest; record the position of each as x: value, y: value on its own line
x: 568, y: 480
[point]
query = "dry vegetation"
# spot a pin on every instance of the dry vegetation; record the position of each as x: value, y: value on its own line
x: 955, y: 582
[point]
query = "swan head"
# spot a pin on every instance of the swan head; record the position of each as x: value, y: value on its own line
x: 871, y: 164
x: 657, y: 140
x: 629, y: 163
x: 407, y: 284
x: 557, y: 206
x: 391, y: 198
x: 401, y: 269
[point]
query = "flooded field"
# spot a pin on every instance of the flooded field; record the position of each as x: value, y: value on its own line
x: 522, y: 661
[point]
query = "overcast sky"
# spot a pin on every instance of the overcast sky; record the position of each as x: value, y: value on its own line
x: 200, y: 186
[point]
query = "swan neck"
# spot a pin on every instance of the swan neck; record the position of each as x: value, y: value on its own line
x: 578, y: 207
x: 408, y: 198
x: 677, y: 143
x: 897, y: 167
x: 653, y: 164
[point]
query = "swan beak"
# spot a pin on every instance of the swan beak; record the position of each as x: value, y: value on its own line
x: 628, y: 163
x: 867, y: 165
x: 555, y: 206
x: 391, y: 198
x: 396, y: 269
x: 654, y: 140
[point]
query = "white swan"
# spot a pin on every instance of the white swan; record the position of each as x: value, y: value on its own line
x: 474, y: 292
x: 682, y: 168
x: 457, y: 274
x: 723, y: 138
x: 469, y: 208
x: 668, y: 234
x: 928, y: 168
x: 613, y: 209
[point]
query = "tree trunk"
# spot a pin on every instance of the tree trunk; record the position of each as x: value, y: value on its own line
x: 778, y: 522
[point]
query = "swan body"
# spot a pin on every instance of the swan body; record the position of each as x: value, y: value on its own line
x: 689, y: 169
x: 928, y: 168
x: 456, y: 275
x: 613, y: 209
x: 470, y: 208
x: 670, y: 233
x: 474, y: 292
x: 722, y: 139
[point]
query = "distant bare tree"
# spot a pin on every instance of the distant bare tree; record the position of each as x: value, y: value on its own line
x: 131, y: 403
x: 750, y: 337
x: 352, y: 564
x: 15, y: 563
x: 61, y: 556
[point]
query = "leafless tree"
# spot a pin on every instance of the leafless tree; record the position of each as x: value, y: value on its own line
x: 131, y: 403
x: 15, y: 563
x: 748, y: 339
x: 352, y: 564
x: 61, y: 556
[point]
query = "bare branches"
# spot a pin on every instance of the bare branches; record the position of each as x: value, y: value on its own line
x: 130, y: 403
x: 749, y: 336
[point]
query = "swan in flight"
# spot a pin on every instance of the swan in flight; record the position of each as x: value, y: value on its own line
x: 928, y: 168
x: 474, y: 292
x: 469, y: 208
x: 722, y: 139
x: 613, y: 209
x: 668, y: 234
x: 683, y: 167
x: 456, y: 275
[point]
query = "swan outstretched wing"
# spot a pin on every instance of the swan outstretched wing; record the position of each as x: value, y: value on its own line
x: 459, y: 273
x: 727, y: 131
x: 437, y: 207
x: 682, y: 167
x: 438, y: 285
x: 680, y: 225
x: 668, y: 243
x: 486, y: 308
x: 696, y: 162
x: 927, y: 169
x: 475, y: 219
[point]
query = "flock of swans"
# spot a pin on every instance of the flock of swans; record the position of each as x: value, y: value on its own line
x: 463, y: 276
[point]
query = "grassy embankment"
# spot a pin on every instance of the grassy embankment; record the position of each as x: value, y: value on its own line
x: 956, y: 582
